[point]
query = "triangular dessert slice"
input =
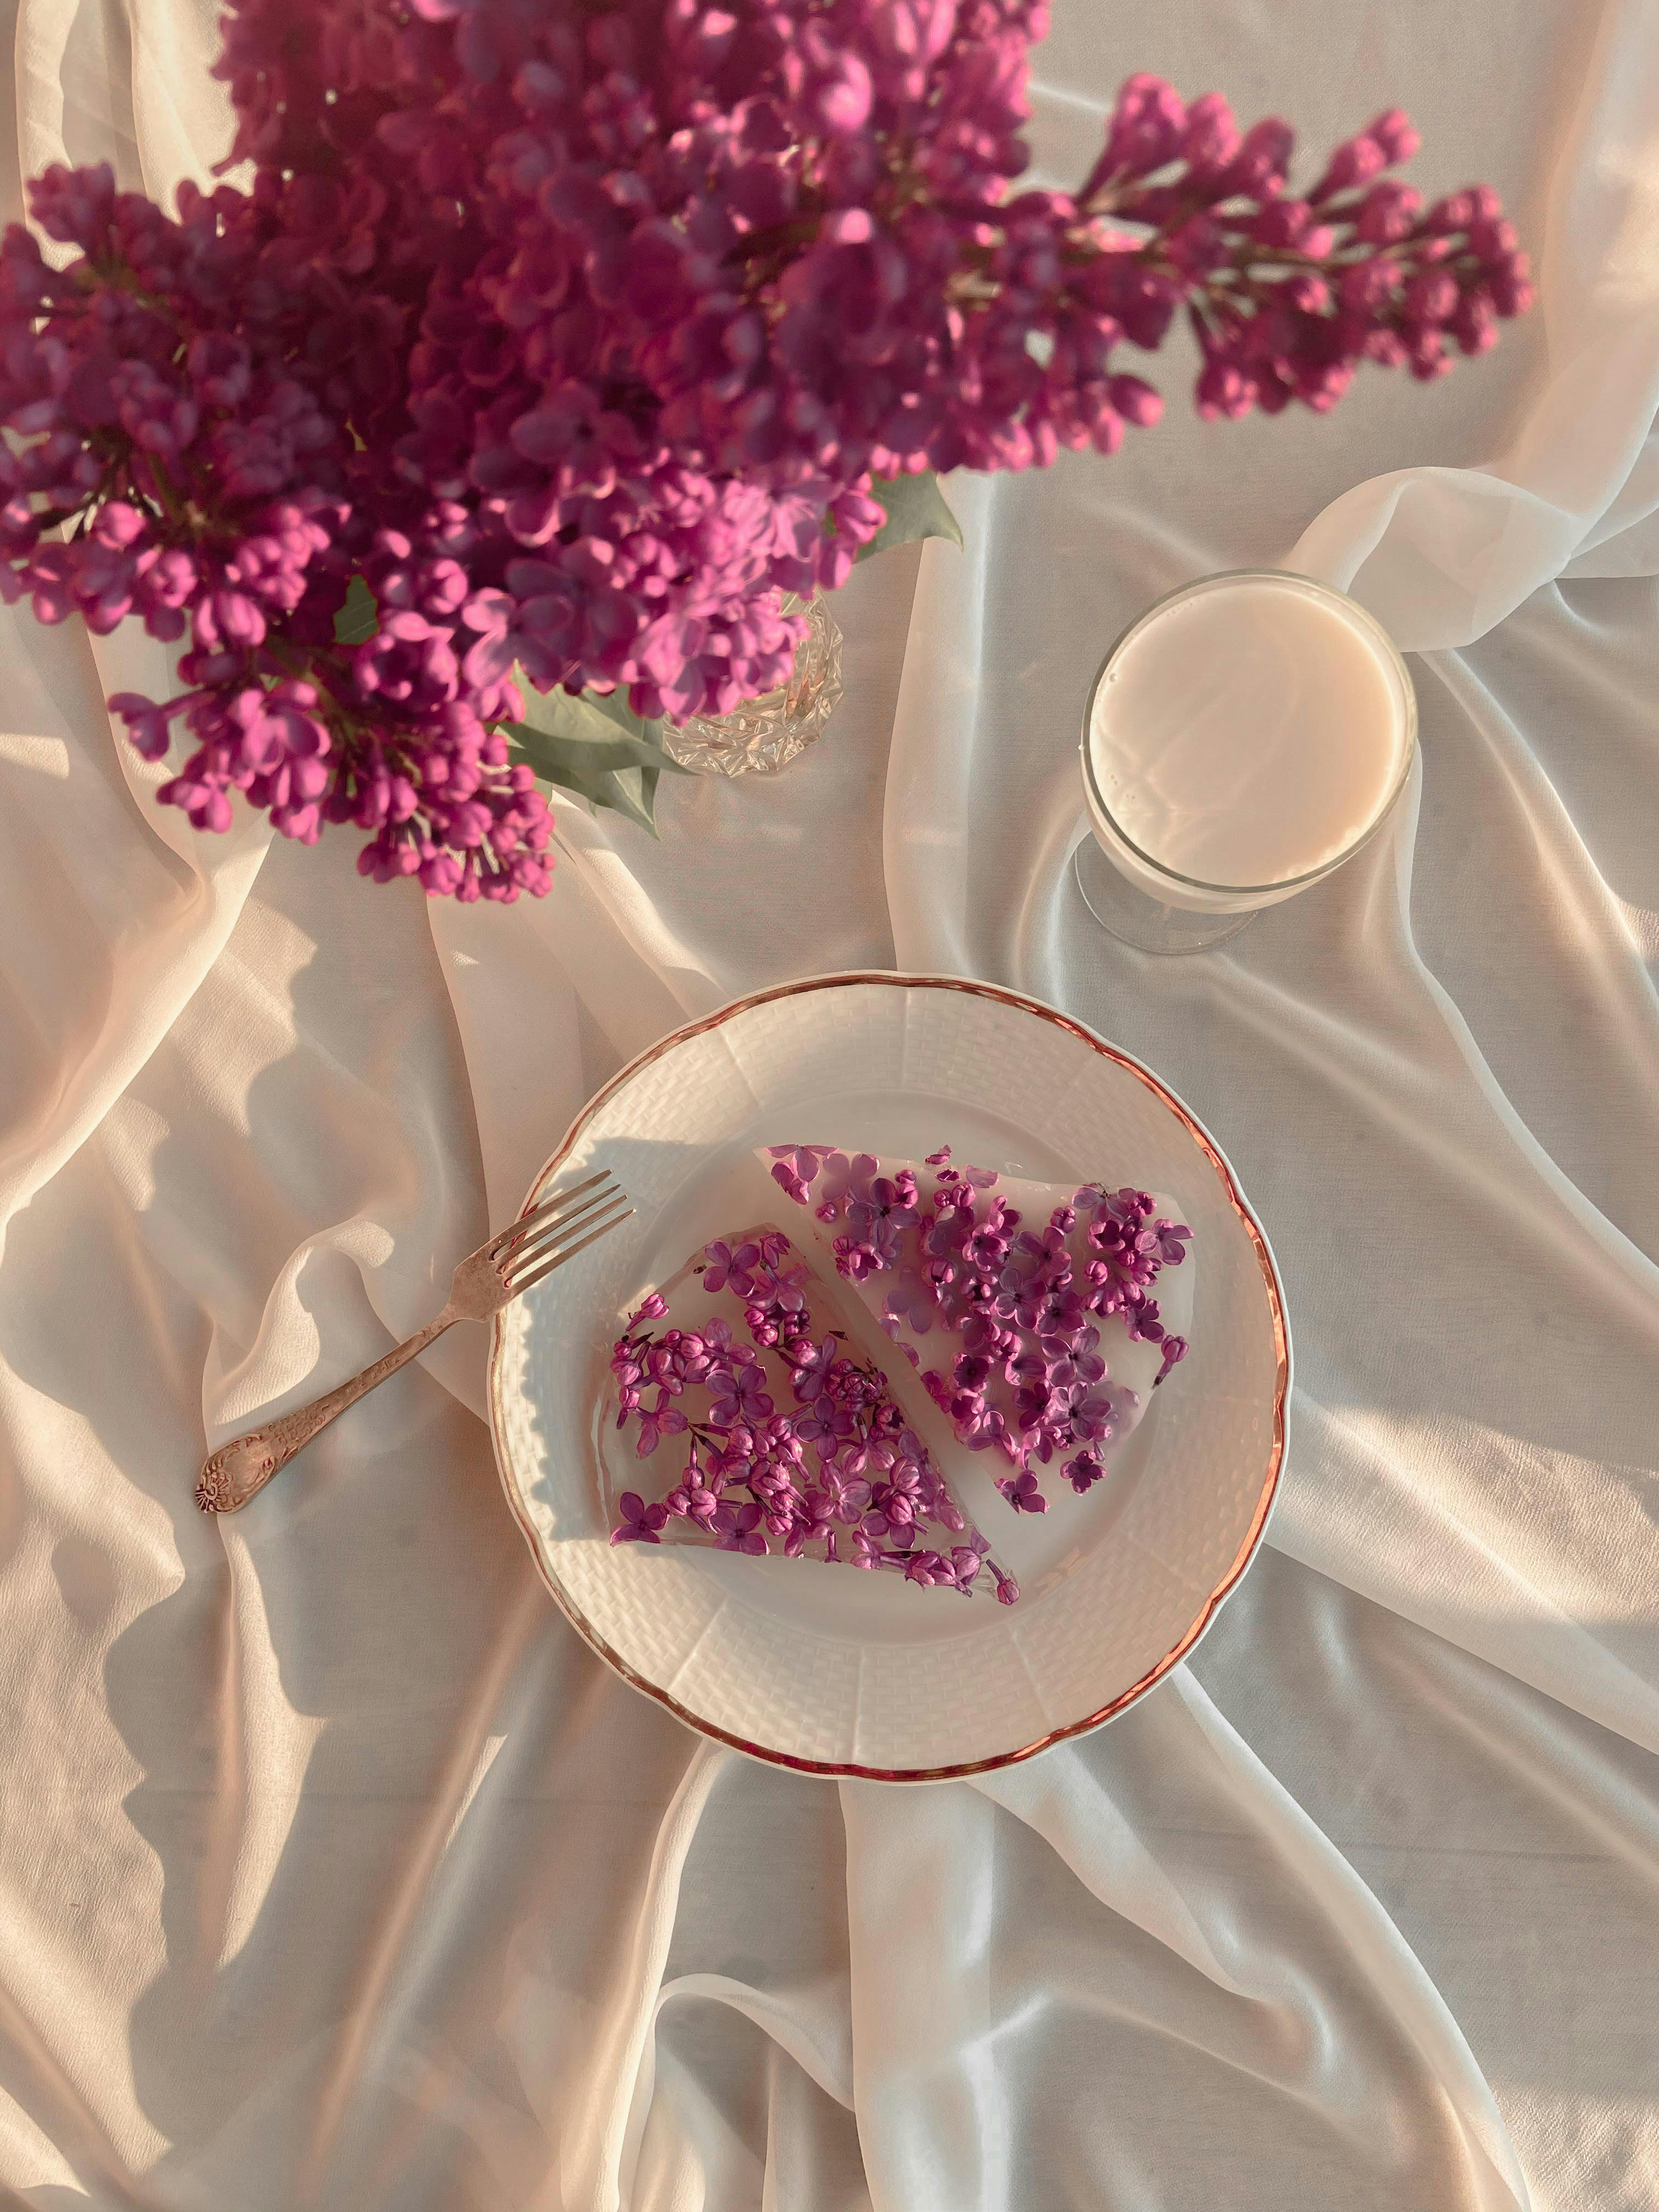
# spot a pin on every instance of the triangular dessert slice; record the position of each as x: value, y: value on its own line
x: 1040, y: 1316
x: 759, y: 1423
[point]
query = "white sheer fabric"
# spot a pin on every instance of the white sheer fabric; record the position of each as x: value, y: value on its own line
x: 333, y: 1871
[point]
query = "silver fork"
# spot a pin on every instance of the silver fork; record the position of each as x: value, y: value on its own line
x: 489, y: 1278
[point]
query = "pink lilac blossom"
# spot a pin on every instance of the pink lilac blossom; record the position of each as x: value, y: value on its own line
x: 836, y: 1475
x: 580, y: 332
x: 1029, y: 1381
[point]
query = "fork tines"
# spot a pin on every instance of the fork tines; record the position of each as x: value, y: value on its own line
x: 557, y: 1229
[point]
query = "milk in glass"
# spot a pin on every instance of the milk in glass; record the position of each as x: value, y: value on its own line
x: 1245, y: 735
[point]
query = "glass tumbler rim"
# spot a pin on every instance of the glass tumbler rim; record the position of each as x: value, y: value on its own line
x: 1364, y: 619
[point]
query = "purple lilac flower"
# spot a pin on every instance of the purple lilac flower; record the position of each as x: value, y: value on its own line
x: 666, y: 1365
x: 766, y: 1325
x: 817, y: 1517
x: 1058, y: 1312
x: 737, y: 1527
x: 970, y: 1372
x: 986, y: 1248
x: 639, y: 1522
x: 1026, y: 1324
x: 929, y: 1568
x: 739, y: 1394
x: 1130, y: 1255
x: 656, y: 1423
x: 881, y: 1525
x: 807, y: 1160
x: 724, y: 1266
x: 1093, y: 1418
x: 744, y: 1483
x: 1050, y: 1246
x: 854, y: 1454
x: 1130, y: 1207
x: 1023, y: 1330
x: 812, y: 1366
x: 1072, y: 1362
x: 729, y: 1458
x: 1033, y: 1402
x: 905, y: 1482
x: 1084, y: 1471
x: 848, y: 1497
x: 945, y: 1234
x: 628, y: 1368
x: 777, y: 1289
x: 798, y: 1167
x: 693, y: 1355
x: 879, y: 1210
x: 778, y: 1459
x: 1141, y: 1316
x: 1172, y: 1238
x: 780, y: 1517
x: 824, y: 1425
x: 912, y: 1300
x: 588, y: 334
x: 693, y: 1499
x: 940, y: 1506
x: 982, y: 1333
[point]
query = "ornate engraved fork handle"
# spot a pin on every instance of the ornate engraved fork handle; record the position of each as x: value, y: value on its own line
x: 231, y: 1475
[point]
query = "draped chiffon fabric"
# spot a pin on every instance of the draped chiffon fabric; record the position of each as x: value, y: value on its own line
x: 335, y: 1871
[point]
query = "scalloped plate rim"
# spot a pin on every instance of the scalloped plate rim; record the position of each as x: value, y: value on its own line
x: 910, y: 979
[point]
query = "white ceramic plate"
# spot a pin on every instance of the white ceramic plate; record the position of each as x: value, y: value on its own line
x: 822, y: 1669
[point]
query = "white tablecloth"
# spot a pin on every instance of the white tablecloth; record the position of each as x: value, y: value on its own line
x: 334, y: 1872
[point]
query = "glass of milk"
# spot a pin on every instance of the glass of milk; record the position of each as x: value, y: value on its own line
x: 1244, y: 736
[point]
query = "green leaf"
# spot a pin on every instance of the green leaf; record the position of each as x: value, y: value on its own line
x: 360, y: 617
x: 594, y: 746
x: 563, y: 727
x: 915, y: 509
x: 614, y: 706
x: 649, y: 779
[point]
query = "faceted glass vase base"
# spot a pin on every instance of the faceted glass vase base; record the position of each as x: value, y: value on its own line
x: 765, y: 734
x: 1134, y: 918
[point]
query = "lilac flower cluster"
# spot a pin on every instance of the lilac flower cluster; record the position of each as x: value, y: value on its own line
x: 1286, y: 292
x: 834, y: 1473
x: 1031, y: 1380
x: 578, y: 333
x: 183, y: 396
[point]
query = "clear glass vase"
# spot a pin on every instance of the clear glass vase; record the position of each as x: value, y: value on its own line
x: 765, y: 734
